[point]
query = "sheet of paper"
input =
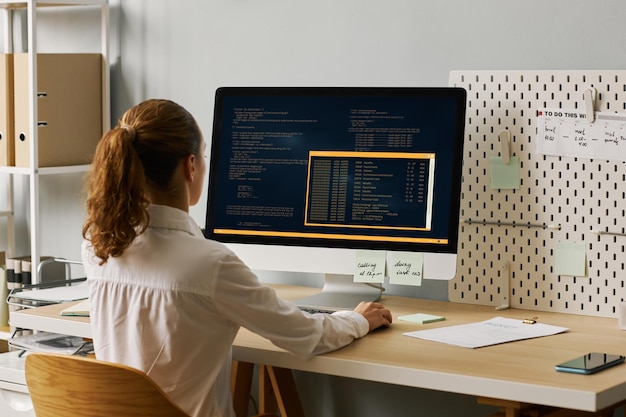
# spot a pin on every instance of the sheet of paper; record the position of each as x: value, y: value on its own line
x: 370, y: 266
x: 406, y: 268
x: 486, y: 333
x: 57, y: 294
x: 567, y: 132
x: 570, y: 258
x: 504, y: 176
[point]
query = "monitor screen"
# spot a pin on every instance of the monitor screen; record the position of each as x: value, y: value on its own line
x: 331, y: 169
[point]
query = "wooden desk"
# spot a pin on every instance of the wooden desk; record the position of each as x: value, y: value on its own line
x: 519, y: 372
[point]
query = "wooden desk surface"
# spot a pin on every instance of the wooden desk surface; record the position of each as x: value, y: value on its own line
x: 518, y: 371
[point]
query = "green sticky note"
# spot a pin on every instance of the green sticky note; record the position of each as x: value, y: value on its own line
x: 504, y: 176
x: 421, y: 318
x: 370, y: 266
x: 570, y: 258
x: 406, y: 268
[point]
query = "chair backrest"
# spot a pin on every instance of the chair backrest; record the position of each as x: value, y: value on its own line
x: 65, y: 385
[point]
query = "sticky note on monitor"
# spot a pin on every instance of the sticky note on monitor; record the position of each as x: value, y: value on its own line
x: 370, y: 266
x: 406, y: 268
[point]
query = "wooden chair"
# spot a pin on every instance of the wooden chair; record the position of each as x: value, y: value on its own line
x: 65, y: 385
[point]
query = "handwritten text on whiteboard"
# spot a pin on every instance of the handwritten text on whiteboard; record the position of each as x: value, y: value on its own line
x: 562, y: 132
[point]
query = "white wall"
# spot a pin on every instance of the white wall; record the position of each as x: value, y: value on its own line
x: 183, y: 50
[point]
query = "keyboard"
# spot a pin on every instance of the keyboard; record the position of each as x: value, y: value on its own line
x: 314, y: 310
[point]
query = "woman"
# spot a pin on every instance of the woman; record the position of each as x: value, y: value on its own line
x: 163, y: 298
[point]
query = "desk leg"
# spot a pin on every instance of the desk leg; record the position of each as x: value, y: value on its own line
x: 240, y: 386
x: 280, y: 392
x: 267, y: 398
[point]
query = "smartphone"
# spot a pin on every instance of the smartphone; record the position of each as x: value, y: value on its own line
x: 590, y: 363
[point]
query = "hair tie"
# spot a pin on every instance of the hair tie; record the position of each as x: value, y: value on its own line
x: 130, y: 130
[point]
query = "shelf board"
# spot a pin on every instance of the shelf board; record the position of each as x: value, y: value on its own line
x: 18, y: 4
x: 45, y: 170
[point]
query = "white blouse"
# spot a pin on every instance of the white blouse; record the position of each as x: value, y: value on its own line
x: 172, y: 304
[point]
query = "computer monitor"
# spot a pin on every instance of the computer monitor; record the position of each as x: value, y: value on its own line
x: 300, y: 178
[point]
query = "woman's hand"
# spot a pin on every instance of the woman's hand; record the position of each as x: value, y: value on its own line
x: 375, y: 313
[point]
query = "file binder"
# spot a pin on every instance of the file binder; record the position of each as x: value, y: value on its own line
x: 69, y: 108
x: 7, y: 139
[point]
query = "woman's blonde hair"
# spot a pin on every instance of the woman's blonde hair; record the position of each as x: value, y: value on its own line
x: 140, y: 153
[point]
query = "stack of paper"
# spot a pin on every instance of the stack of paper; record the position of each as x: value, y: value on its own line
x: 51, y: 342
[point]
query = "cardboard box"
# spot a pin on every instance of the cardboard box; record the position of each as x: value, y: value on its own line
x: 69, y: 107
x: 7, y: 138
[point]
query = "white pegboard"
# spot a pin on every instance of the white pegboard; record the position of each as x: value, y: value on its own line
x: 580, y: 195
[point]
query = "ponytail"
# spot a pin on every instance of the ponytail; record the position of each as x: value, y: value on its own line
x: 141, y: 153
x: 116, y: 201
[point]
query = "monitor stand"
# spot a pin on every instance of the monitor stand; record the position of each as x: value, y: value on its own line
x: 340, y: 292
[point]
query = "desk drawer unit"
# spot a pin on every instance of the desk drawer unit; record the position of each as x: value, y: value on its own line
x: 14, y: 398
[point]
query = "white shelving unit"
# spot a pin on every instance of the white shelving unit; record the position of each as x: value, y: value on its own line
x: 12, y: 383
x: 34, y: 171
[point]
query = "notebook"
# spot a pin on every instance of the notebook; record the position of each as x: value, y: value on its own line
x: 80, y: 309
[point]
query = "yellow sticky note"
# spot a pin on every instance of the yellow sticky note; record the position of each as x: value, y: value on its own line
x: 504, y: 176
x: 406, y: 268
x: 570, y: 258
x: 370, y: 266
